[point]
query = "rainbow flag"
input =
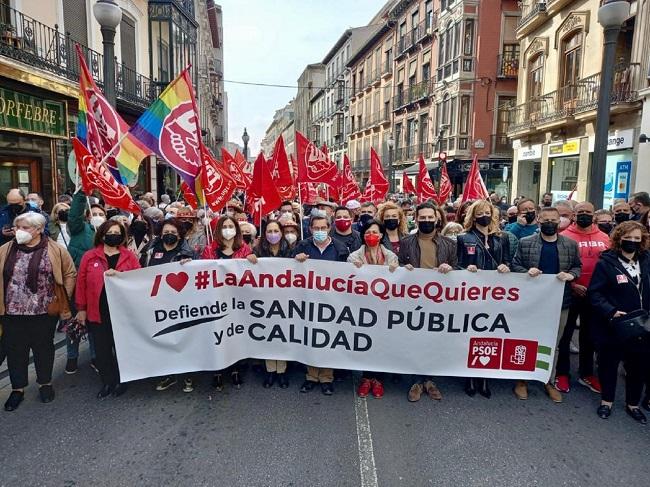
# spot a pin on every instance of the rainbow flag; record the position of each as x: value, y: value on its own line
x: 170, y: 129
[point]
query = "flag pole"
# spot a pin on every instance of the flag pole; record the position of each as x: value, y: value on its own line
x: 302, y: 237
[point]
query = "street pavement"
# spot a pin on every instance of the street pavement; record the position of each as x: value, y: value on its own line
x: 257, y: 437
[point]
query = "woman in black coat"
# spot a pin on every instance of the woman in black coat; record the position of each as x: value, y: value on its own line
x: 620, y: 285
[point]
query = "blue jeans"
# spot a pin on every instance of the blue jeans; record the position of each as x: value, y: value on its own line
x: 73, y: 348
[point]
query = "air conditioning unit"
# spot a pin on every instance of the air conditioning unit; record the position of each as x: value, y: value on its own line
x: 541, y: 6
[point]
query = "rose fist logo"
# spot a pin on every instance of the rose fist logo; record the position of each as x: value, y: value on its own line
x: 179, y: 143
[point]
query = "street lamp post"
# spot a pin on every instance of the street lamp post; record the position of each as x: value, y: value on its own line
x: 109, y: 15
x: 245, y: 138
x: 611, y: 16
x: 390, y: 142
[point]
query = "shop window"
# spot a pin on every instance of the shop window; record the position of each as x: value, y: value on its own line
x: 563, y: 173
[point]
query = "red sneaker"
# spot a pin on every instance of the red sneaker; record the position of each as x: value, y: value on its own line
x: 377, y: 389
x: 591, y: 382
x: 364, y: 388
x: 562, y: 383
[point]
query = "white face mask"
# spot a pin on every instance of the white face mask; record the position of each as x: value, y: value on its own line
x: 564, y: 222
x: 228, y: 233
x: 291, y: 237
x: 96, y: 221
x: 23, y: 237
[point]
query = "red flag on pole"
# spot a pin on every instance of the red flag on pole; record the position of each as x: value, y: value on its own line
x: 189, y: 196
x: 445, y: 185
x: 214, y: 182
x: 377, y: 185
x: 474, y: 186
x: 96, y: 176
x: 407, y: 185
x: 243, y: 164
x: 241, y: 178
x: 280, y: 171
x: 313, y: 164
x: 349, y: 187
x: 425, y: 188
x: 308, y: 193
x: 262, y: 197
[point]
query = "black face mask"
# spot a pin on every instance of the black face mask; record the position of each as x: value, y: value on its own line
x: 426, y: 227
x: 548, y: 228
x: 605, y: 227
x: 547, y: 204
x: 630, y: 246
x: 584, y: 221
x: 512, y: 218
x: 62, y: 215
x: 530, y: 217
x: 169, y: 238
x: 138, y: 228
x: 484, y: 220
x: 111, y: 213
x: 113, y: 240
x: 248, y: 238
x: 15, y: 208
x: 364, y: 219
x: 621, y: 217
x: 391, y: 223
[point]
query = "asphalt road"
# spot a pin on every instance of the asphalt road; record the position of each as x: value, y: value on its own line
x: 257, y: 437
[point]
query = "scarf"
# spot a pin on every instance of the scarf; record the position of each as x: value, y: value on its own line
x: 34, y: 262
x: 380, y: 257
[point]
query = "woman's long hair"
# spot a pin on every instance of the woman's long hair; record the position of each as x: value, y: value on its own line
x: 481, y: 205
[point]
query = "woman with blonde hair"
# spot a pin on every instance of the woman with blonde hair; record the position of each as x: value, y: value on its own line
x: 58, y: 224
x: 482, y: 246
x: 394, y: 221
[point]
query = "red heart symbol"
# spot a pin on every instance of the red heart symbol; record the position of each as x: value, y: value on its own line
x: 177, y: 281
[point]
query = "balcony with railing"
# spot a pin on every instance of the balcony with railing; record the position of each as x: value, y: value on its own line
x: 411, y: 153
x: 218, y: 133
x: 501, y: 145
x: 387, y: 67
x: 508, y: 65
x: 533, y: 13
x: 216, y: 68
x: 419, y: 33
x: 361, y: 164
x: 411, y: 94
x: 35, y: 44
x: 372, y: 77
x: 455, y: 144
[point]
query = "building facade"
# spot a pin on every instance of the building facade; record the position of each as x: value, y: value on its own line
x: 310, y: 81
x: 281, y: 120
x: 554, y: 122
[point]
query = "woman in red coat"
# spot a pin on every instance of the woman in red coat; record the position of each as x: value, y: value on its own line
x: 109, y: 256
x: 227, y: 244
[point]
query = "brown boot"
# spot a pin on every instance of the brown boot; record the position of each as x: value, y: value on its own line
x: 521, y: 390
x: 553, y: 393
x: 415, y: 393
x: 432, y: 390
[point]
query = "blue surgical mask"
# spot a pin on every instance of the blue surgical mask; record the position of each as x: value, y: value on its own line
x: 32, y: 204
x: 320, y: 236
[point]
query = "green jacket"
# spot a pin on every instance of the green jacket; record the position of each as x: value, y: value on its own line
x: 82, y: 233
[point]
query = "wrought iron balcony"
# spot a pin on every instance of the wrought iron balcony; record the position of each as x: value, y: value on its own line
x: 501, y: 145
x: 419, y: 33
x: 412, y: 94
x: 530, y: 9
x: 508, y: 65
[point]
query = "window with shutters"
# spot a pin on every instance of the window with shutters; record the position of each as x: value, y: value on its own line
x: 127, y: 41
x: 76, y: 20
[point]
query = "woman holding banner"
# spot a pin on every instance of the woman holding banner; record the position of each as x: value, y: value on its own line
x: 374, y: 253
x: 109, y: 256
x: 227, y: 244
x: 483, y: 247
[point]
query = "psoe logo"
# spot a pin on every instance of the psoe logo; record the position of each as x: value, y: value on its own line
x: 484, y: 353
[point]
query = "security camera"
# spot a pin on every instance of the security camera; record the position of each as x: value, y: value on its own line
x: 643, y: 138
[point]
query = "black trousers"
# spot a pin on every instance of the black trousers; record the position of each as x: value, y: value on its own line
x: 22, y: 334
x: 579, y: 308
x: 635, y: 355
x: 105, y: 359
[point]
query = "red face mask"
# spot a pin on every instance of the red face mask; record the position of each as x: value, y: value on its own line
x: 343, y: 224
x: 372, y: 239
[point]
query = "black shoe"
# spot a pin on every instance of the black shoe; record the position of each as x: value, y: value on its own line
x: 71, y: 366
x: 217, y: 382
x: 270, y: 379
x: 15, y: 398
x: 327, y: 388
x: 604, y: 411
x: 645, y: 404
x: 47, y: 393
x: 484, y: 389
x: 470, y: 387
x: 307, y: 386
x: 235, y: 377
x: 119, y: 390
x: 105, y: 392
x: 283, y: 381
x: 636, y: 415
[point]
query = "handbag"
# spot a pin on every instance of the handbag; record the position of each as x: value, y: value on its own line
x: 634, y: 324
x: 60, y: 305
x: 76, y: 330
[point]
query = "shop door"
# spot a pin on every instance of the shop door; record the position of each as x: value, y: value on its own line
x: 18, y: 173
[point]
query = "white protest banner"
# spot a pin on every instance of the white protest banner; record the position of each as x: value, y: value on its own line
x: 206, y: 315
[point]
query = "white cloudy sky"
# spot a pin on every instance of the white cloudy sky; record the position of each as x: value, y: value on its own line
x: 271, y: 41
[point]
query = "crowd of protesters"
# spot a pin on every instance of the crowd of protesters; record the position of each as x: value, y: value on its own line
x: 53, y: 267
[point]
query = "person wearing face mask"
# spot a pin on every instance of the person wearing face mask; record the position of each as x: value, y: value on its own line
x: 108, y: 257
x: 526, y: 223
x: 622, y: 212
x: 373, y: 252
x: 392, y: 218
x: 342, y: 230
x: 427, y: 249
x: 604, y: 219
x: 16, y: 205
x: 452, y: 230
x: 194, y: 230
x: 319, y: 246
x: 547, y: 200
x: 640, y: 206
x: 248, y: 233
x: 58, y: 224
x: 482, y: 246
x: 140, y: 236
x: 290, y: 232
x: 620, y: 285
x: 511, y: 214
x: 553, y: 254
x: 367, y: 212
x: 33, y: 267
x: 227, y: 244
x: 565, y: 209
x: 591, y: 243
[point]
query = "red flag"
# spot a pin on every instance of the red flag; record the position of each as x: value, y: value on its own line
x: 216, y: 185
x: 243, y: 164
x: 189, y: 196
x: 425, y: 188
x: 445, y: 185
x: 242, y: 179
x: 96, y: 176
x: 313, y: 164
x: 377, y: 186
x: 474, y: 186
x: 349, y: 187
x: 325, y: 151
x: 280, y: 171
x: 262, y: 197
x: 407, y: 185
